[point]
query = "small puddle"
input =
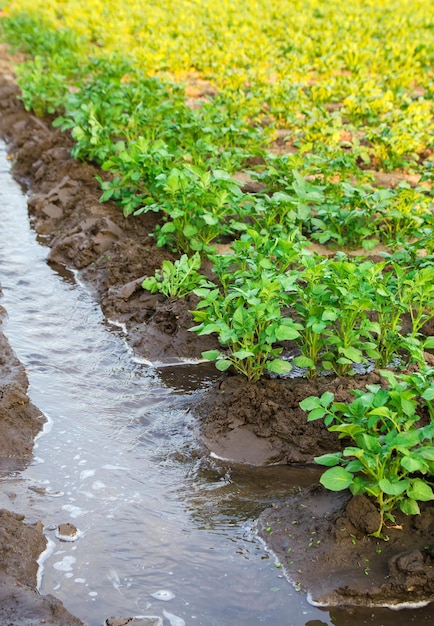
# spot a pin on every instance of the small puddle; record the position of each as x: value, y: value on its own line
x: 160, y: 531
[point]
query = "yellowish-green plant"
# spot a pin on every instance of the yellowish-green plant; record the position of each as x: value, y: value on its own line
x: 353, y: 75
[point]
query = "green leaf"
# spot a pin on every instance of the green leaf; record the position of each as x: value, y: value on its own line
x: 336, y: 479
x: 208, y: 329
x: 419, y: 490
x: 428, y: 394
x: 412, y: 464
x: 355, y: 355
x: 150, y: 283
x: 310, y: 403
x: 318, y: 328
x: 426, y: 453
x: 381, y: 411
x: 242, y: 354
x: 354, y: 466
x: 304, y: 361
x: 210, y: 219
x: 210, y: 355
x: 329, y: 315
x: 409, y: 507
x: 327, y: 397
x: 285, y: 333
x: 168, y: 227
x: 428, y: 344
x: 238, y: 315
x: 393, y: 488
x: 189, y: 231
x: 408, y: 406
x: 330, y: 459
x: 316, y: 414
x: 222, y: 365
x: 371, y: 442
x: 279, y: 366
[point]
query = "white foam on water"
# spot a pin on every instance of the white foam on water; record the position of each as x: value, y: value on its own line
x: 87, y: 474
x: 98, y: 484
x: 174, y: 620
x: 41, y: 560
x: 74, y: 511
x: 163, y: 594
x: 65, y: 565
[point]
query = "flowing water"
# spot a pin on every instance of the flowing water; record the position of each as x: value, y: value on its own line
x: 161, y: 533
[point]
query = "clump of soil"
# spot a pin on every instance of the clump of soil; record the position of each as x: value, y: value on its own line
x: 322, y: 541
x: 262, y: 423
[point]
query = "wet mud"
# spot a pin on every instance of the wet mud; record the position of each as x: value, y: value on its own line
x: 20, y: 420
x: 255, y: 424
x: 322, y: 541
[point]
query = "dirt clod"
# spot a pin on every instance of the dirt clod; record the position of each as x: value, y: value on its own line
x: 363, y: 515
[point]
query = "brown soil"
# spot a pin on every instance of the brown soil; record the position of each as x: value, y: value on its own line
x: 262, y: 423
x: 250, y: 423
x: 322, y: 541
x: 20, y: 603
x: 20, y: 421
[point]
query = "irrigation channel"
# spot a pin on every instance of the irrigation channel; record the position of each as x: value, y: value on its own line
x: 161, y: 533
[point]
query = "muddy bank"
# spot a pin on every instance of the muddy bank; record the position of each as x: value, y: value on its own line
x: 322, y: 541
x: 20, y: 602
x: 262, y: 423
x: 20, y: 421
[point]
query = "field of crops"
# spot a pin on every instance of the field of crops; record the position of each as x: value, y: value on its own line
x: 268, y: 126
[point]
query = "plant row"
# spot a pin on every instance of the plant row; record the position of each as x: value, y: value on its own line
x: 161, y: 155
x: 341, y: 313
x: 355, y: 76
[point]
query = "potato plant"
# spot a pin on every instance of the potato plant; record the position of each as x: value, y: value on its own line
x: 391, y: 458
x: 177, y: 279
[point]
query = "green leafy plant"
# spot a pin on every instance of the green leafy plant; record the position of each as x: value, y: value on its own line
x: 198, y: 205
x: 136, y: 169
x: 405, y: 216
x: 249, y: 307
x: 246, y: 314
x: 43, y: 86
x: 392, y: 456
x: 399, y: 290
x: 350, y: 336
x: 333, y: 303
x: 248, y: 321
x: 178, y: 279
